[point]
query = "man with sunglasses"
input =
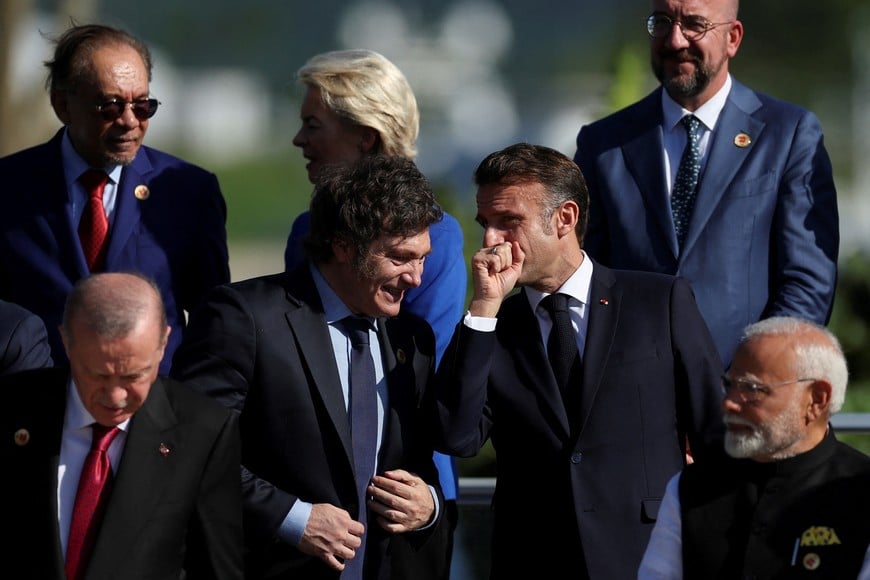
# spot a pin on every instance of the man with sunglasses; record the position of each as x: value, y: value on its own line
x: 709, y: 180
x: 94, y: 198
x: 788, y: 500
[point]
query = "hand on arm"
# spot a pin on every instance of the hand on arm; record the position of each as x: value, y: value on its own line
x: 401, y: 501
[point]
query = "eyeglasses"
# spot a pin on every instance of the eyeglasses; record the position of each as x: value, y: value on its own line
x: 114, y: 108
x: 750, y: 391
x: 693, y: 27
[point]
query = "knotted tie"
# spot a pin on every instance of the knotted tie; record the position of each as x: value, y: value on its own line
x: 95, y: 485
x: 363, y: 425
x: 562, y: 350
x: 686, y: 182
x: 94, y: 225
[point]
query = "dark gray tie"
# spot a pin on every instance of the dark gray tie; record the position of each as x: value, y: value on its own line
x: 363, y: 413
x: 686, y: 182
x: 562, y: 352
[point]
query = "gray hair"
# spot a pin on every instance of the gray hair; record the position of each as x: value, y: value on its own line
x: 817, y: 352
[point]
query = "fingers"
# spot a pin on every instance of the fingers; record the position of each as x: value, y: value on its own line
x: 331, y: 535
x: 402, y: 500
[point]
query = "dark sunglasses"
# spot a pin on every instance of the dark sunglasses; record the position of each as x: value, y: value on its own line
x: 114, y: 108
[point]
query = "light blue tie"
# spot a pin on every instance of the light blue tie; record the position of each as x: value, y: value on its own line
x: 686, y: 182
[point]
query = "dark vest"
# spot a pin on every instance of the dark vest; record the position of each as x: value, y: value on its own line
x: 804, y: 517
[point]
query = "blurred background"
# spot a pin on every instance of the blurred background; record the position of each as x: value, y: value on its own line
x: 487, y: 73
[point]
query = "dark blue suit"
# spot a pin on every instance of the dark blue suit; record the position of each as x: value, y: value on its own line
x: 764, y: 235
x: 176, y: 235
x: 650, y: 380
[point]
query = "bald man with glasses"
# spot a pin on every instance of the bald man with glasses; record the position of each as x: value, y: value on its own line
x: 787, y: 500
x: 95, y: 199
x: 709, y: 180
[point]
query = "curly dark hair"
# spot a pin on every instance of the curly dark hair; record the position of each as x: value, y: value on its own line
x: 358, y: 202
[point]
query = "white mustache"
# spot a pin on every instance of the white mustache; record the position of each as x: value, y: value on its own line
x: 115, y: 406
x: 734, y: 420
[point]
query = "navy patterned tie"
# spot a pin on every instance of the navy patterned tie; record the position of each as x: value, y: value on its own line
x: 686, y: 182
x: 363, y: 425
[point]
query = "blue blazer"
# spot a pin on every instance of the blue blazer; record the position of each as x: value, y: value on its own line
x: 176, y: 235
x: 764, y: 235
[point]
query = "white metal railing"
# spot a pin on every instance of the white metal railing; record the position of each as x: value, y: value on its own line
x: 477, y: 491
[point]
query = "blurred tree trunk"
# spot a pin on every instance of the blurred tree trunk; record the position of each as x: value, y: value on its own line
x: 25, y: 115
x: 12, y: 12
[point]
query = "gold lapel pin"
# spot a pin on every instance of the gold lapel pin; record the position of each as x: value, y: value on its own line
x: 142, y: 192
x: 22, y: 437
x: 742, y: 140
x: 164, y: 450
x: 400, y: 356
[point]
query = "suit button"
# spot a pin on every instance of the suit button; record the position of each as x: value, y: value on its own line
x: 576, y: 457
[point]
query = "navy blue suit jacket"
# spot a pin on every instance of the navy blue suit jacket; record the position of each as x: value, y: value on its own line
x: 650, y: 381
x: 262, y: 347
x: 764, y: 235
x: 176, y: 235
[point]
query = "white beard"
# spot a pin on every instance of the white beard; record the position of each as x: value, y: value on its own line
x: 773, y: 440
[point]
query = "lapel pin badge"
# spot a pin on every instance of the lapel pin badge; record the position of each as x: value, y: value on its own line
x: 142, y: 192
x: 742, y: 140
x: 164, y: 450
x: 604, y: 302
x: 400, y: 356
x: 22, y: 437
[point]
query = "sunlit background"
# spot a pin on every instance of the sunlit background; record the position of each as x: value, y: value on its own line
x: 486, y: 74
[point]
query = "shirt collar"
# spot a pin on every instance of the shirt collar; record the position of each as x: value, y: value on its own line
x: 577, y: 286
x: 74, y: 165
x: 333, y: 308
x: 708, y: 113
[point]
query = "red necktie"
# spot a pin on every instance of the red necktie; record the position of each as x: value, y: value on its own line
x: 95, y: 484
x: 94, y: 225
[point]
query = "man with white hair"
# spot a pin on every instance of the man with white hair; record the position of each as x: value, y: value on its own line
x: 788, y: 499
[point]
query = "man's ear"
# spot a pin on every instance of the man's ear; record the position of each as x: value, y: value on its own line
x: 60, y: 104
x: 820, y: 399
x: 342, y: 251
x: 567, y: 215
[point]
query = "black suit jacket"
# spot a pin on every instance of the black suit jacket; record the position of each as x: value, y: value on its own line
x: 262, y: 347
x: 167, y: 512
x: 23, y: 340
x: 650, y: 380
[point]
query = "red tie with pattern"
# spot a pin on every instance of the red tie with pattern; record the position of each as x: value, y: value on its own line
x: 95, y: 484
x: 94, y: 225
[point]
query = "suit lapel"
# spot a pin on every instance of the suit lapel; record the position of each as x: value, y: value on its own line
x: 143, y: 474
x: 725, y: 158
x: 524, y: 344
x: 128, y: 211
x: 643, y: 159
x: 603, y: 313
x: 307, y: 324
x: 50, y: 195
